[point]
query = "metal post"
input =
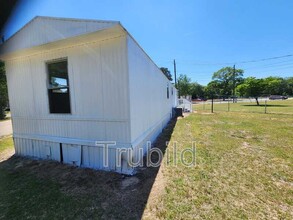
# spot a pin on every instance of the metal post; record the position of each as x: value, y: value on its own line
x: 234, y: 83
x: 265, y: 106
x: 228, y: 104
x: 212, y: 109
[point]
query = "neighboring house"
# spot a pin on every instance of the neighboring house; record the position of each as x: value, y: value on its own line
x: 76, y: 84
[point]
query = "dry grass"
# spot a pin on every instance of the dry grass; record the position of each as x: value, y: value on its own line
x: 6, y: 148
x: 244, y: 169
x: 6, y: 143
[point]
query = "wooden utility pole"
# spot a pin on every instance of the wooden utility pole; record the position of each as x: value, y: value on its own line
x: 234, y: 83
x: 175, y: 77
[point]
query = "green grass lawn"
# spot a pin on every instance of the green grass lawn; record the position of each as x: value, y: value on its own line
x: 244, y: 168
x: 5, y: 143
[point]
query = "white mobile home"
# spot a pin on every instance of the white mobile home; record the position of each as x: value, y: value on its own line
x: 75, y: 85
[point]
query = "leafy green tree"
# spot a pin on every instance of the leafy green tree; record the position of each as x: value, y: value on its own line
x: 184, y: 85
x: 3, y: 91
x: 213, y: 89
x: 274, y: 86
x: 289, y: 86
x: 167, y: 73
x: 225, y: 80
x: 251, y: 87
x: 197, y: 90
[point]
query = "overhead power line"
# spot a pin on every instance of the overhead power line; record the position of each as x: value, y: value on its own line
x: 270, y: 66
x: 265, y: 59
x: 270, y: 69
x: 232, y: 63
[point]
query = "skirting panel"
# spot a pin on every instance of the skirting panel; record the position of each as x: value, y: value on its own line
x: 37, y: 148
x: 96, y: 157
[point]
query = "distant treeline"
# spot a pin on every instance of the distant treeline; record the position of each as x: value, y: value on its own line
x: 226, y: 82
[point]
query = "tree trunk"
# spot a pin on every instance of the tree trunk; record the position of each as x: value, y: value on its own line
x: 256, y: 99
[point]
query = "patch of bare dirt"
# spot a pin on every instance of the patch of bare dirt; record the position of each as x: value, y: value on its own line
x: 245, y: 145
x: 129, y: 182
x: 155, y: 195
x: 283, y: 184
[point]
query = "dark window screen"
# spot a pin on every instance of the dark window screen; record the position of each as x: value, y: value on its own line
x: 58, y: 87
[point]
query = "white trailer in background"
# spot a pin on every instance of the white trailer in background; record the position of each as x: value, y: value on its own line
x: 75, y: 85
x: 185, y: 102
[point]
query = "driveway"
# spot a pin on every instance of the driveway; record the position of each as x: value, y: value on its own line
x: 5, y: 128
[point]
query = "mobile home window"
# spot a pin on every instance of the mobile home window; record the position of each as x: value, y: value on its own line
x: 167, y: 91
x: 58, y: 87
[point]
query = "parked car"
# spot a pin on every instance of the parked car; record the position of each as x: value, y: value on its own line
x: 199, y: 100
x: 276, y: 97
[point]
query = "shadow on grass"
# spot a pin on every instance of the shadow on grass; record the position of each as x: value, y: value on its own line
x: 47, y: 189
x: 263, y: 105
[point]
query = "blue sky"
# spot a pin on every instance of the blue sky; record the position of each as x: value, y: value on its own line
x: 202, y: 35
